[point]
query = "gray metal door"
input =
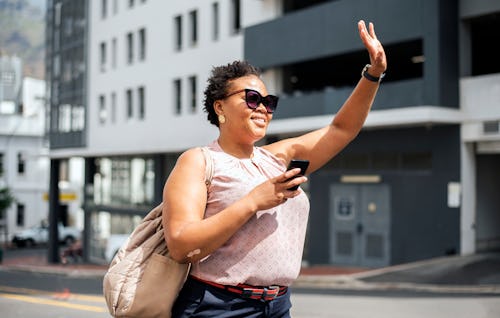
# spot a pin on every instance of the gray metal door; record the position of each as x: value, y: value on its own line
x: 360, y: 224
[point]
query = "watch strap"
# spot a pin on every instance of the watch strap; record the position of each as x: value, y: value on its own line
x: 370, y: 77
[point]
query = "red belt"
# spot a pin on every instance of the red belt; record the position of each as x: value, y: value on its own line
x: 249, y: 291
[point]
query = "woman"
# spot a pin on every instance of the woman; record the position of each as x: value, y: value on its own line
x: 245, y: 237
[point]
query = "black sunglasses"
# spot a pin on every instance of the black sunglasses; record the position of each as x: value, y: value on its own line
x: 253, y: 99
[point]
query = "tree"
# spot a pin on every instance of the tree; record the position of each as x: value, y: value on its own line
x: 6, y: 199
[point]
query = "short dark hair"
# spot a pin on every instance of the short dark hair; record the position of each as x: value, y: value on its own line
x: 218, y: 84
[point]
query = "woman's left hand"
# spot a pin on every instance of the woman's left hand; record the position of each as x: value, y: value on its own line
x: 378, y: 60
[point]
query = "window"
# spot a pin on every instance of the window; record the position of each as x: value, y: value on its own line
x: 142, y: 44
x: 1, y: 164
x: 215, y: 21
x: 130, y: 48
x: 103, y: 114
x: 192, y: 91
x: 113, y: 107
x: 235, y: 16
x: 130, y: 3
x: 113, y: 53
x: 20, y: 214
x: 104, y: 8
x: 130, y: 105
x: 115, y: 6
x: 102, y: 56
x: 142, y: 106
x: 178, y: 32
x: 177, y: 96
x: 193, y: 21
x: 20, y: 163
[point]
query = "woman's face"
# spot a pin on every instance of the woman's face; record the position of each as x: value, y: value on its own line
x: 242, y: 122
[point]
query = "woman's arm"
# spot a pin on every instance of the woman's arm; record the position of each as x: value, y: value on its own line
x: 189, y: 236
x: 321, y: 145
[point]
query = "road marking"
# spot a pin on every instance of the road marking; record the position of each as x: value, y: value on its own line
x: 50, y: 302
x: 18, y: 290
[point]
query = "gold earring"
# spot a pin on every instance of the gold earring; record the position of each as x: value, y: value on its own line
x: 222, y: 119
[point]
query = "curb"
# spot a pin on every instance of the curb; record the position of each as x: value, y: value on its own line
x: 350, y: 283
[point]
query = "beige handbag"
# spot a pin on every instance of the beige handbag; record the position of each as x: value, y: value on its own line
x: 142, y: 280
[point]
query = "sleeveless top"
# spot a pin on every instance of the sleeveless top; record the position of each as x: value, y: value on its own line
x: 267, y: 250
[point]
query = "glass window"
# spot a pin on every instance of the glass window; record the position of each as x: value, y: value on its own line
x: 215, y: 21
x: 130, y: 104
x: 1, y: 164
x: 142, y: 106
x: 130, y: 3
x: 130, y: 47
x: 418, y: 160
x: 177, y: 96
x: 102, y: 56
x: 193, y: 19
x: 21, y: 162
x: 178, y: 32
x: 104, y: 8
x: 142, y: 44
x: 235, y: 16
x: 192, y: 93
x: 113, y: 107
x: 20, y: 214
x: 77, y: 118
x: 113, y: 53
x: 103, y: 114
x: 115, y: 6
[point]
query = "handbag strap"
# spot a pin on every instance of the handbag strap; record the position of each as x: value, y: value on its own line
x: 209, y: 165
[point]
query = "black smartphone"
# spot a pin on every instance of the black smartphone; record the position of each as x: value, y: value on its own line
x: 298, y: 163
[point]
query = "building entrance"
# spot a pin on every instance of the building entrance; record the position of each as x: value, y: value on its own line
x: 360, y: 219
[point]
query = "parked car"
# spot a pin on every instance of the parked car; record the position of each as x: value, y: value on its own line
x: 113, y: 244
x: 39, y: 235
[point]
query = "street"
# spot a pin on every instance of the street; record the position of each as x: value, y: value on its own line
x: 25, y: 294
x: 44, y: 295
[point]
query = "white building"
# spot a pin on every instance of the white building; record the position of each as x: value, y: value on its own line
x: 24, y: 158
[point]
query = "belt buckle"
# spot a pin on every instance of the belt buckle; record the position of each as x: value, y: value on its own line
x: 270, y: 292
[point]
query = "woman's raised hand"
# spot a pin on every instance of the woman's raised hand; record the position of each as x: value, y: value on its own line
x: 374, y: 47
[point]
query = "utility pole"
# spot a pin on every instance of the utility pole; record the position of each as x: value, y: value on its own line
x: 53, y: 253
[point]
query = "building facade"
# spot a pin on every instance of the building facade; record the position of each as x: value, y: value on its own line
x: 408, y: 188
x: 23, y: 148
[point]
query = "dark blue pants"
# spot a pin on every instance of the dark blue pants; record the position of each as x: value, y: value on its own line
x: 198, y: 299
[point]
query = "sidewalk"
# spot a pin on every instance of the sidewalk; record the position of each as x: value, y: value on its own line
x: 471, y: 274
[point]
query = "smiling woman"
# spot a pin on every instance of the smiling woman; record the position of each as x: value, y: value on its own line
x: 244, y: 232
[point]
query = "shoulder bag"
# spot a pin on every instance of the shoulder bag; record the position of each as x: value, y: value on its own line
x: 142, y: 280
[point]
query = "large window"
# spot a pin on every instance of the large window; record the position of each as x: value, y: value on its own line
x: 124, y: 181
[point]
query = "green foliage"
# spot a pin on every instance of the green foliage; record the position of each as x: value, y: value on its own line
x: 6, y: 199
